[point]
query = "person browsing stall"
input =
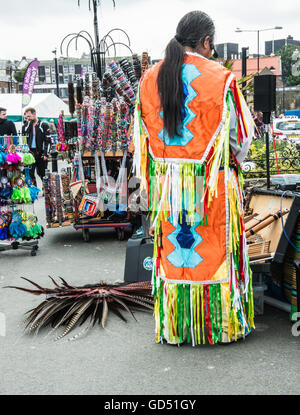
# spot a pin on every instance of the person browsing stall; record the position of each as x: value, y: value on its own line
x: 7, y: 127
x: 39, y: 139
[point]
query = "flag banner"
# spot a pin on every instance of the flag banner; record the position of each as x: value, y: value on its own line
x: 28, y: 83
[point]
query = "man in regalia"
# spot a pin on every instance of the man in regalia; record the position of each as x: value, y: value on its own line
x: 192, y: 131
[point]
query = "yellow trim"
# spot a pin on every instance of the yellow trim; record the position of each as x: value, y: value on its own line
x: 222, y: 273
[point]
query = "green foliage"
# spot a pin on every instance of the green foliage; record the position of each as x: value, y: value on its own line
x: 287, y: 155
x: 286, y: 53
x: 249, y: 79
x: 19, y: 75
x: 228, y: 64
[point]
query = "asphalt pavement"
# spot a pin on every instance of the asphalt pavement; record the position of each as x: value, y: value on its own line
x: 123, y: 358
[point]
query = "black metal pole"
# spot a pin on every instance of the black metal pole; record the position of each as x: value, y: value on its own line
x: 97, y: 42
x: 258, y: 52
x: 244, y: 69
x: 267, y: 122
x: 283, y: 96
x: 56, y: 77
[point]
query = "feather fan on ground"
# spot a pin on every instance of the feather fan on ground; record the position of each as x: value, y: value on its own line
x: 69, y: 306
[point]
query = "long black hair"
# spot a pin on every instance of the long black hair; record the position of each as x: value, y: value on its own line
x: 191, y: 31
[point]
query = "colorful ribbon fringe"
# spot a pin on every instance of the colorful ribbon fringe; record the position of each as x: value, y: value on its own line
x: 199, y: 313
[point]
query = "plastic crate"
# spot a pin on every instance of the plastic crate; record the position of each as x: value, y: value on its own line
x: 258, y: 299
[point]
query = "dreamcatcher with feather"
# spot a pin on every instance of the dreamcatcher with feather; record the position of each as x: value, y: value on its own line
x: 66, y: 307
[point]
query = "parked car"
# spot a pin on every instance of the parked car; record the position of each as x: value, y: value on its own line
x: 287, y: 128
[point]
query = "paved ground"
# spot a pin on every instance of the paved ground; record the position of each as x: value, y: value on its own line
x: 123, y: 358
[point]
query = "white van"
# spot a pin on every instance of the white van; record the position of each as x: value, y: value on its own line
x: 287, y: 128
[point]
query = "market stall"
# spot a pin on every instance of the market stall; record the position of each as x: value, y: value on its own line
x: 48, y: 106
x: 94, y: 194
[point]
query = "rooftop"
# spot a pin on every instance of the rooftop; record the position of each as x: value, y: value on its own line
x: 272, y: 63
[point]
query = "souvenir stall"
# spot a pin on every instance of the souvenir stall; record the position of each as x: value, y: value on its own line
x: 67, y: 134
x: 64, y: 140
x: 19, y: 226
x: 95, y: 193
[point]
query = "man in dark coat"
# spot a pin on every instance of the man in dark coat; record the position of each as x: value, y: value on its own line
x: 6, y: 127
x: 38, y: 140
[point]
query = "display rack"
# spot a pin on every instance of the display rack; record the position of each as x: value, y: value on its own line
x: 106, y: 219
x: 104, y: 112
x: 28, y: 246
x: 19, y: 228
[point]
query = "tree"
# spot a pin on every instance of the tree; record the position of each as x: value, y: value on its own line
x: 288, y: 62
x: 19, y: 75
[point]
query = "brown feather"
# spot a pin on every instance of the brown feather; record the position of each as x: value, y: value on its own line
x: 55, y: 283
x: 75, y: 319
x: 104, y: 313
x: 34, y: 292
x: 125, y: 306
x: 35, y: 284
x: 117, y: 312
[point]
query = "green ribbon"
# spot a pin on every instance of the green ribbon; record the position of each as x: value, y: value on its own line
x: 194, y: 328
x: 187, y: 311
x: 202, y: 312
x: 220, y: 316
x: 151, y: 178
x: 212, y: 307
x: 180, y: 310
x: 161, y: 308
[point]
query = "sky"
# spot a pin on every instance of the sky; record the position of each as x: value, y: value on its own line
x: 34, y: 28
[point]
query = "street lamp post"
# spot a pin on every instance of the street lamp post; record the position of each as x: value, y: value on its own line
x: 258, y: 30
x: 97, y: 42
x: 97, y: 52
x: 56, y: 73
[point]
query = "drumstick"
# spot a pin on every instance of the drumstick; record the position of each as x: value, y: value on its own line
x: 248, y: 218
x: 259, y: 219
x: 260, y: 256
x: 266, y: 222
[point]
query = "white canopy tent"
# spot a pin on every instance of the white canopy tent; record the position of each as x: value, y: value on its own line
x: 47, y: 106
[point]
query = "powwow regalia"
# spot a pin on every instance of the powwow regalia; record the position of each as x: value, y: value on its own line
x: 201, y: 280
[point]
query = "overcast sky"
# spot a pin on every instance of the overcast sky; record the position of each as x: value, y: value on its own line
x: 33, y: 28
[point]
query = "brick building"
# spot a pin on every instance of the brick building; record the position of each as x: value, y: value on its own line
x: 267, y: 64
x: 7, y: 83
x: 68, y: 68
